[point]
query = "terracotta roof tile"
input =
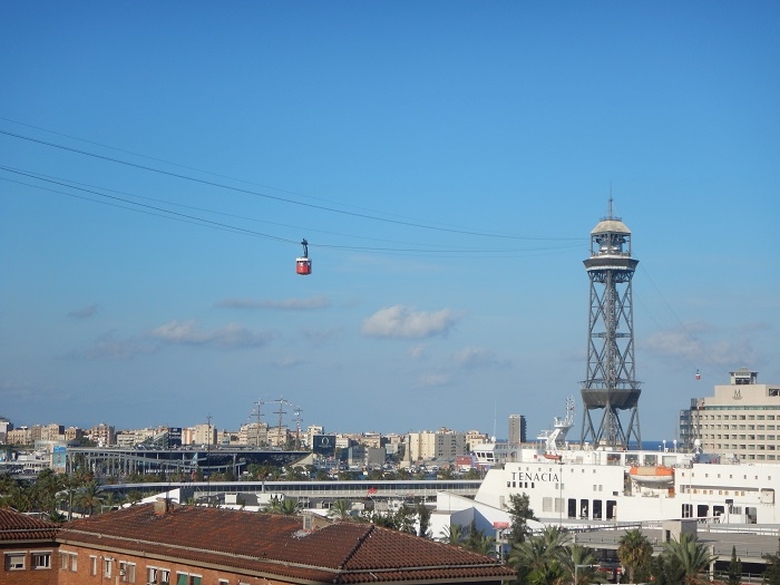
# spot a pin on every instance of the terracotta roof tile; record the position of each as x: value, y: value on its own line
x: 17, y: 526
x: 346, y: 552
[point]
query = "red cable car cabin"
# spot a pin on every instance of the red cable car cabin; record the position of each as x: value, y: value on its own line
x: 303, y: 264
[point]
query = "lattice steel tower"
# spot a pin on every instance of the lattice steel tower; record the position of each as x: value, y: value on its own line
x: 610, y: 384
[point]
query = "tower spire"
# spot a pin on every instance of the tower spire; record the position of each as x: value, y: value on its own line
x: 610, y: 385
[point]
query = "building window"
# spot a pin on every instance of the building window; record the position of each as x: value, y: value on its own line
x: 41, y: 560
x: 126, y: 572
x: 14, y: 561
x: 93, y: 566
x: 186, y: 579
x: 74, y: 562
x: 107, y: 568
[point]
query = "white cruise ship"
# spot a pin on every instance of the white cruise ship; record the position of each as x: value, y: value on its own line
x: 595, y: 485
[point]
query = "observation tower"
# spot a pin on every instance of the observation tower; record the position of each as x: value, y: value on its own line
x: 610, y: 385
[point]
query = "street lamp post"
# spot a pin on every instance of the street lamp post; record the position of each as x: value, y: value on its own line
x: 576, y: 567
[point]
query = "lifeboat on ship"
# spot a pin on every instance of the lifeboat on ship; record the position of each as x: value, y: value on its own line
x: 552, y: 456
x: 652, y: 475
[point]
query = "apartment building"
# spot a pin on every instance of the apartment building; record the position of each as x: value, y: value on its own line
x: 441, y: 444
x: 740, y: 421
x: 164, y: 544
x: 29, y: 549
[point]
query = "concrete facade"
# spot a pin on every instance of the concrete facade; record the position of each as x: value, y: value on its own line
x: 740, y: 421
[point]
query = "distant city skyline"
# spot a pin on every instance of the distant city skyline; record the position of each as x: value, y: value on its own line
x: 445, y: 163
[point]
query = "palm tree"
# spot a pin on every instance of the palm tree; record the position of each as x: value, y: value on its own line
x: 455, y: 535
x: 340, y: 509
x: 89, y: 497
x: 285, y: 506
x: 693, y: 556
x: 540, y: 559
x: 634, y: 552
x: 580, y: 565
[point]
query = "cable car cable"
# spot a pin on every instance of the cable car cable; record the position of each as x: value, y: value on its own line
x: 162, y: 212
x: 272, y: 197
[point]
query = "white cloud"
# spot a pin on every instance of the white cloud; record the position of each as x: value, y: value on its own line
x: 112, y: 347
x: 319, y: 337
x: 473, y: 357
x: 433, y: 380
x: 311, y: 303
x: 401, y: 321
x: 682, y: 346
x: 418, y: 352
x: 231, y: 336
x: 289, y: 362
x: 84, y: 312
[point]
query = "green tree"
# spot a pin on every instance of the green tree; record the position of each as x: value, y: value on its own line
x: 340, y: 509
x: 405, y: 519
x: 520, y: 512
x: 89, y: 497
x: 635, y: 552
x: 580, y: 564
x: 693, y: 557
x: 771, y: 574
x: 540, y: 559
x: 666, y: 570
x: 735, y: 568
x: 423, y: 519
x: 455, y: 535
x: 285, y: 506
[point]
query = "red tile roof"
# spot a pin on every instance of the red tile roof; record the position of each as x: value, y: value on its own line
x: 347, y: 552
x: 15, y: 526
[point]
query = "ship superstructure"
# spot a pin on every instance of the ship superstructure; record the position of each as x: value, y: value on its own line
x: 597, y: 485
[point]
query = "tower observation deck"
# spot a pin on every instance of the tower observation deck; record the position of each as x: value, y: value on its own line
x: 610, y: 385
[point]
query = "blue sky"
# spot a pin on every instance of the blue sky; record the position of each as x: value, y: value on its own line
x: 446, y: 162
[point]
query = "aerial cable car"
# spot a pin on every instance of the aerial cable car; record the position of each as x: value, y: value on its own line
x: 303, y: 264
x: 698, y: 375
